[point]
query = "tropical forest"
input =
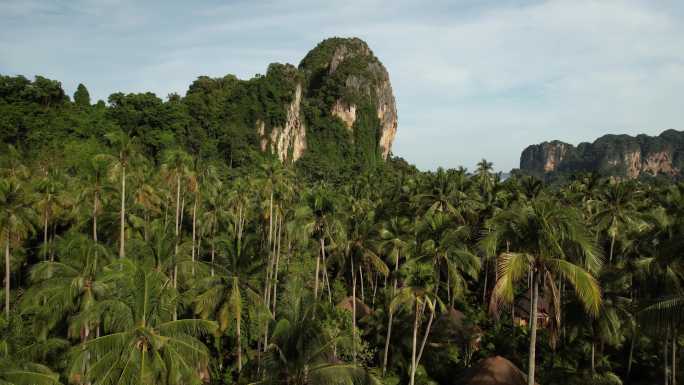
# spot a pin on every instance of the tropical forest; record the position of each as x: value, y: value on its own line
x: 261, y: 231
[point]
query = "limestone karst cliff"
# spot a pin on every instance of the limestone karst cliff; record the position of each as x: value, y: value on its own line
x: 340, y: 83
x: 621, y: 156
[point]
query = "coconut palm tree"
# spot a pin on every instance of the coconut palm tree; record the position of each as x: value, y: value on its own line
x: 300, y: 352
x: 418, y: 294
x: 127, y: 153
x: 223, y: 296
x: 617, y: 210
x: 395, y: 243
x: 546, y: 240
x: 359, y: 246
x: 143, y: 344
x: 16, y: 222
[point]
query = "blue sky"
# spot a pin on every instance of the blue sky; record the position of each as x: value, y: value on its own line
x: 472, y: 79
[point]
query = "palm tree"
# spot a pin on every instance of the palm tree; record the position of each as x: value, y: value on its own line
x: 176, y: 168
x: 95, y: 173
x: 300, y: 352
x: 143, y: 345
x: 64, y: 288
x: 546, y: 240
x: 394, y: 245
x: 418, y: 295
x: 126, y: 148
x: 359, y: 247
x: 223, y: 295
x: 16, y: 222
x: 20, y: 355
x: 617, y: 210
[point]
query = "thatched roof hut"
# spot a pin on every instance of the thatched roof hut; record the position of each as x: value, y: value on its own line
x: 494, y: 371
x: 362, y: 309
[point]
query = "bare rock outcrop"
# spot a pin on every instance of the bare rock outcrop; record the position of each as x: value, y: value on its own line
x: 620, y: 156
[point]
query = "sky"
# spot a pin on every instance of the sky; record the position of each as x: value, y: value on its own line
x: 472, y: 79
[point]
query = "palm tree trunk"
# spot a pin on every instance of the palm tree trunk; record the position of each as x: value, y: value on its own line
x: 277, y: 261
x: 194, y: 226
x: 122, y: 236
x: 631, y: 351
x: 325, y: 268
x: 415, y: 342
x: 484, y: 289
x: 7, y: 275
x: 175, y: 251
x: 318, y: 267
x: 427, y: 333
x: 239, y: 342
x: 593, y: 356
x: 363, y: 297
x: 95, y: 205
x: 389, y: 322
x: 665, y: 358
x: 353, y: 311
x: 533, y: 333
x: 213, y: 246
x: 674, y: 357
x: 612, y: 246
x: 45, y: 233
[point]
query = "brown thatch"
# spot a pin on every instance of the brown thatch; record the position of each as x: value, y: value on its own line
x: 452, y: 326
x: 494, y: 371
x: 362, y: 309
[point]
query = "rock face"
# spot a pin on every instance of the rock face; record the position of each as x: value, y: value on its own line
x: 346, y: 78
x: 621, y: 156
x: 288, y: 141
x: 340, y: 79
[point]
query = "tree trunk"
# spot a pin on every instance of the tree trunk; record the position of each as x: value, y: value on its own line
x: 318, y: 267
x: 593, y: 356
x: 239, y: 342
x: 391, y: 315
x: 175, y: 252
x: 45, y: 233
x: 277, y: 262
x: 122, y: 236
x: 533, y: 333
x: 213, y: 246
x: 612, y: 246
x: 674, y: 357
x: 666, y: 370
x: 353, y: 311
x: 631, y: 351
x: 194, y: 226
x: 415, y: 342
x: 95, y: 205
x: 325, y: 268
x: 484, y: 290
x: 363, y: 297
x: 427, y: 333
x: 7, y: 275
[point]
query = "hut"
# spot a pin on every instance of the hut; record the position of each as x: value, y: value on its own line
x: 493, y: 371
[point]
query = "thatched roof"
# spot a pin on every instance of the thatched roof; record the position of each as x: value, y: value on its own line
x: 362, y: 309
x: 494, y: 371
x: 452, y: 325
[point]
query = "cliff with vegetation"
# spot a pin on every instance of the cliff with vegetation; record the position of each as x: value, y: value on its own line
x: 333, y: 113
x: 620, y: 156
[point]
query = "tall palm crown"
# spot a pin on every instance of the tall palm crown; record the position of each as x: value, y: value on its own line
x: 144, y: 344
x: 546, y: 240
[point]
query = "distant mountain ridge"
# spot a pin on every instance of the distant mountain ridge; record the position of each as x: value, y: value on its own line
x: 621, y: 156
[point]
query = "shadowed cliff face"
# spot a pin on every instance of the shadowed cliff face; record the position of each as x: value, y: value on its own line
x: 621, y: 156
x: 342, y: 79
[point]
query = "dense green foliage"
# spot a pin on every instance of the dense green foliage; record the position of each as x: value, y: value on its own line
x: 150, y: 241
